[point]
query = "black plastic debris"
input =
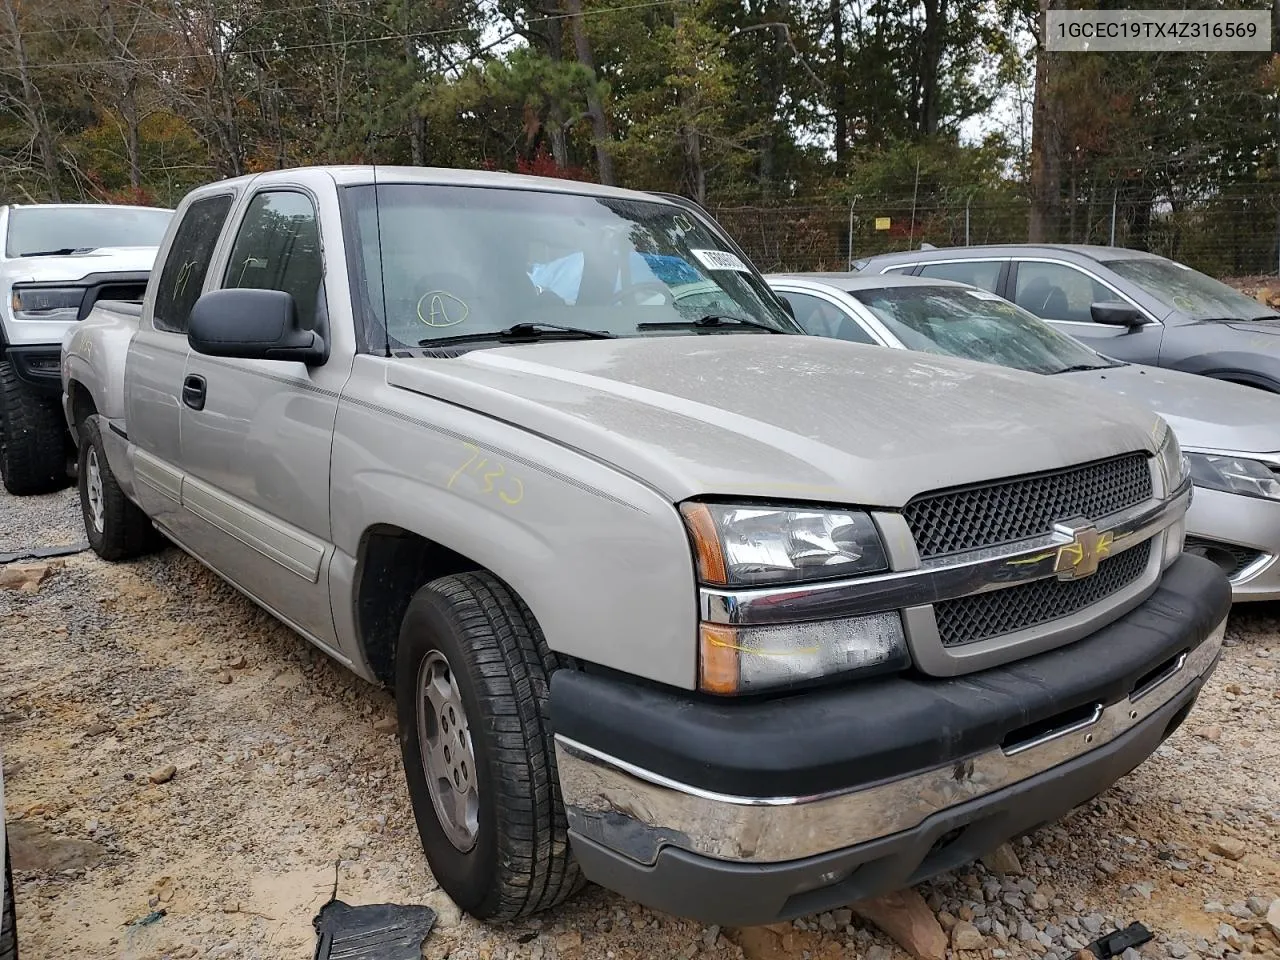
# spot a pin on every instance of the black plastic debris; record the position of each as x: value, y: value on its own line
x: 375, y: 931
x: 43, y: 553
x: 1117, y: 942
x: 153, y: 917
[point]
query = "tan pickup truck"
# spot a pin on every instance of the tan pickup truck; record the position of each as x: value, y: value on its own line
x: 741, y: 623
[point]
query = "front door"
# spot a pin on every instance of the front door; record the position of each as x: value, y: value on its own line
x: 1062, y: 294
x: 256, y: 442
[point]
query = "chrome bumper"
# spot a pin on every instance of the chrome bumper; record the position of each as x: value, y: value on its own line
x: 635, y: 813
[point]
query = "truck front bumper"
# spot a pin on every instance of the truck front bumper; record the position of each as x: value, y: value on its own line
x: 746, y: 813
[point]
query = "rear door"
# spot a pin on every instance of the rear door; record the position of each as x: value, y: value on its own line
x: 985, y: 274
x: 256, y: 444
x: 1062, y: 293
x: 157, y: 358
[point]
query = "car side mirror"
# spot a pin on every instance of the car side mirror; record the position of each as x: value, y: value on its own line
x: 252, y: 324
x: 786, y: 305
x: 1115, y: 313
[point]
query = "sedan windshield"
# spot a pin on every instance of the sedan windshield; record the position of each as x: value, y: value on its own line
x: 977, y: 325
x: 63, y: 230
x: 446, y: 263
x: 1181, y: 288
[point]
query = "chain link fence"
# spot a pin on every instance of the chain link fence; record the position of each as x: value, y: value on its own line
x: 1230, y: 235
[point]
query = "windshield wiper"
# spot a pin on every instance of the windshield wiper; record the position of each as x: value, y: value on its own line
x: 519, y: 331
x: 709, y: 320
x: 64, y: 252
x: 1078, y: 367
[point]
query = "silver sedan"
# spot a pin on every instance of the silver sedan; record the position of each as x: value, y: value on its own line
x: 1230, y: 433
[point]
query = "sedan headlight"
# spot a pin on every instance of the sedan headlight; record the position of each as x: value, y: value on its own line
x: 739, y: 545
x: 46, y: 303
x: 1249, y: 478
x: 1173, y: 465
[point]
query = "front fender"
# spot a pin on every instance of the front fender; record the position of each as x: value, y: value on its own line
x: 93, y: 355
x: 602, y: 560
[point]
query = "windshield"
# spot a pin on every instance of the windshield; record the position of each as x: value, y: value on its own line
x: 461, y: 261
x: 1198, y: 296
x: 48, y: 230
x: 976, y: 325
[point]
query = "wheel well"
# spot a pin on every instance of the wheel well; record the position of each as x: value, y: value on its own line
x: 393, y: 563
x: 82, y: 405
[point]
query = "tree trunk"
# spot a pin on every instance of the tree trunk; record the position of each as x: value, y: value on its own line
x: 839, y: 107
x: 1046, y: 142
x: 933, y: 44
x: 595, y: 109
x: 694, y: 173
x: 417, y: 124
x: 33, y: 104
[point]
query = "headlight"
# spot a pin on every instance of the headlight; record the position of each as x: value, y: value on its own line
x: 736, y: 660
x: 46, y: 303
x: 1173, y: 465
x: 738, y: 545
x: 1240, y: 475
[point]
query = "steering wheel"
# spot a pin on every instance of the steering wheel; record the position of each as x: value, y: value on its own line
x: 649, y: 286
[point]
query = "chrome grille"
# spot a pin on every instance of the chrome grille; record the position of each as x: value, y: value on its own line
x: 952, y: 521
x: 987, y: 615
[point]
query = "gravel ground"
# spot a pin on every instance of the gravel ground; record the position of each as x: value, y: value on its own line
x: 279, y: 777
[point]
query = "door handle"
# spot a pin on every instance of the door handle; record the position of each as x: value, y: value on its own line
x: 193, y: 392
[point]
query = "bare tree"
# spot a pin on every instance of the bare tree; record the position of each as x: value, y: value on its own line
x: 29, y: 105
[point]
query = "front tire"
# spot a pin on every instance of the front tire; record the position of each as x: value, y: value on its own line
x: 116, y: 528
x: 33, y: 438
x: 472, y: 682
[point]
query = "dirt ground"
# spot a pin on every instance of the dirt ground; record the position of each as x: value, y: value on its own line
x: 279, y: 778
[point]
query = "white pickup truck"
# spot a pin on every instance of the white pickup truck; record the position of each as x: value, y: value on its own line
x: 741, y: 623
x: 56, y: 262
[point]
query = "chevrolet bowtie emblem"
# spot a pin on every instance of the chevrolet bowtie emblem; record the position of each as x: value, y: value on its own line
x: 1087, y: 548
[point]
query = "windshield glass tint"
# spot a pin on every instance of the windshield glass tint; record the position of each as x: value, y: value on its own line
x: 976, y: 325
x: 1198, y: 296
x: 44, y: 230
x: 454, y: 261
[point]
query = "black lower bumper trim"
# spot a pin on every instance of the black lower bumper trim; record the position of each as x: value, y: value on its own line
x: 39, y: 368
x: 743, y: 894
x: 861, y: 733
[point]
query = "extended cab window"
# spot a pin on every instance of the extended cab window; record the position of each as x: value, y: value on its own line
x: 278, y: 248
x: 1055, y: 291
x: 976, y: 273
x: 185, y: 267
x: 823, y: 319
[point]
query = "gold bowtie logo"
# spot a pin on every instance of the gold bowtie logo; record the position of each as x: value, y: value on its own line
x: 1080, y: 557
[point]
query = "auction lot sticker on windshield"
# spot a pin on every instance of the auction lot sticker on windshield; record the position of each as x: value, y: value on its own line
x: 982, y: 295
x: 720, y: 260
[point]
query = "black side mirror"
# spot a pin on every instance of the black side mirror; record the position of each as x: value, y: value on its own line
x: 1115, y: 313
x: 252, y: 324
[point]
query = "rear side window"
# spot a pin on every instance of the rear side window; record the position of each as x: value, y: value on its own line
x: 187, y: 263
x: 981, y: 273
x: 278, y: 248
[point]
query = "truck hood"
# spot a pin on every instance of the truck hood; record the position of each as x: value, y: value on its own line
x: 80, y: 265
x: 1205, y: 413
x: 800, y: 418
